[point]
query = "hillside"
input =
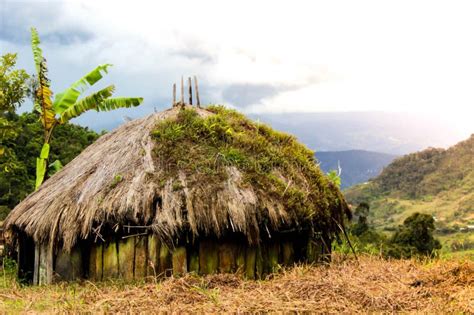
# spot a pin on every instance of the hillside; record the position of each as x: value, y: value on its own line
x: 435, y: 181
x: 358, y: 166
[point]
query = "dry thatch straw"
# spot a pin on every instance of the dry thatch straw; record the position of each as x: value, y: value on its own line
x: 147, y: 173
x: 375, y: 285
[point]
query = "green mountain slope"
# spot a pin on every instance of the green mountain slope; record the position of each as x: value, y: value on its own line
x: 435, y: 181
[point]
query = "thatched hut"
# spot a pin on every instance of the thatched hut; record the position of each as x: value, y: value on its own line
x: 187, y: 189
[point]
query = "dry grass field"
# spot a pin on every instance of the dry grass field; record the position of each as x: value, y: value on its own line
x: 373, y: 285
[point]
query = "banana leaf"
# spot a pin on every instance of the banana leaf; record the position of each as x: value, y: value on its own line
x: 37, y: 52
x: 64, y: 100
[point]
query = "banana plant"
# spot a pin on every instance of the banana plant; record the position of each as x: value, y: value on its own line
x: 67, y: 104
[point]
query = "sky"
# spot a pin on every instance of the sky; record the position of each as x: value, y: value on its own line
x: 260, y: 56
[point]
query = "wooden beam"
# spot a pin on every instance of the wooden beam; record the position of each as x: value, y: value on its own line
x: 198, y: 103
x: 182, y: 91
x: 190, y: 91
x: 174, y: 94
x: 36, y: 266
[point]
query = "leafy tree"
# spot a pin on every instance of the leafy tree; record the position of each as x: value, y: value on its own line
x: 13, y: 84
x: 362, y: 225
x: 414, y: 237
x: 67, y: 105
x: 13, y: 88
x: 17, y: 175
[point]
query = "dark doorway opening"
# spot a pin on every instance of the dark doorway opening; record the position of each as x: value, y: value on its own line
x: 26, y: 258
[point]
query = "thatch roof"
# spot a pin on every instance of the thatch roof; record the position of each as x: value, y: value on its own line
x: 203, y: 171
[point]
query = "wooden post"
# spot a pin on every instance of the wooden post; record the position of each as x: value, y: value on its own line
x: 141, y: 253
x: 226, y: 257
x: 37, y: 263
x: 272, y: 258
x: 95, y: 262
x: 240, y: 259
x: 182, y: 91
x: 179, y: 260
x: 45, y: 275
x: 259, y: 262
x: 190, y: 88
x: 250, y: 259
x: 193, y: 261
x: 126, y: 253
x: 154, y: 245
x: 198, y: 103
x: 110, y: 262
x: 208, y: 257
x: 288, y: 253
x: 174, y: 94
x: 165, y: 260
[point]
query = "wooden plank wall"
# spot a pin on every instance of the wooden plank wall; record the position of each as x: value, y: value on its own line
x: 139, y: 257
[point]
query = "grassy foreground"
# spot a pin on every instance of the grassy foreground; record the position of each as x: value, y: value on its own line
x: 375, y: 285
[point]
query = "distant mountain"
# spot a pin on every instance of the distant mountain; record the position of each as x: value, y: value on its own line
x: 357, y: 166
x: 435, y: 181
x: 393, y: 133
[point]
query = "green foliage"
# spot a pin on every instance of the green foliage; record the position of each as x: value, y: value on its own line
x: 407, y: 173
x: 66, y: 104
x: 361, y: 226
x: 414, y: 237
x: 334, y: 178
x: 13, y: 84
x: 204, y: 147
x: 13, y: 90
x: 434, y: 181
x: 117, y: 179
x: 17, y: 168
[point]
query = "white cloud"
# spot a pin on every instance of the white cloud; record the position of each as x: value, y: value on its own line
x: 414, y: 56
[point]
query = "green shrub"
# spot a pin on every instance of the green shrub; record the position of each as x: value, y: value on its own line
x: 414, y: 238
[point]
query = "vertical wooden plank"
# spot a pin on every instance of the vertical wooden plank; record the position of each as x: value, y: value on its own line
x: 226, y: 257
x: 190, y: 90
x: 174, y: 94
x: 288, y: 253
x: 153, y: 255
x: 240, y: 259
x: 110, y: 262
x: 272, y: 257
x: 49, y: 264
x: 42, y: 265
x: 95, y: 262
x: 68, y: 266
x: 165, y: 260
x: 250, y: 262
x: 208, y: 257
x: 198, y: 102
x: 36, y: 265
x: 45, y: 265
x: 193, y: 258
x: 141, y: 244
x: 126, y: 254
x: 259, y: 265
x: 182, y: 91
x: 179, y: 260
